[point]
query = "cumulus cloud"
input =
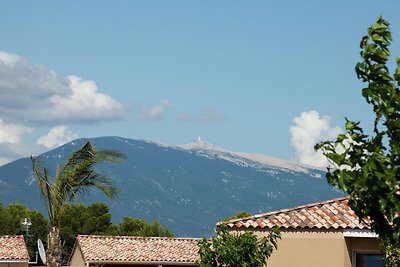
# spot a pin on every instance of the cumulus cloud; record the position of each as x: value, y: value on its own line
x: 154, y: 113
x: 205, y: 116
x: 32, y: 95
x: 12, y: 133
x: 56, y: 137
x: 308, y: 129
x: 11, y: 147
x: 9, y: 58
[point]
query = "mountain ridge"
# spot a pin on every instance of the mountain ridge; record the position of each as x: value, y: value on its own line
x: 257, y: 157
x: 186, y: 189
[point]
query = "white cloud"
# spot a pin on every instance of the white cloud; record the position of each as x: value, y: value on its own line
x: 56, y: 137
x: 308, y: 129
x: 33, y: 96
x: 11, y: 147
x: 36, y: 95
x: 12, y: 133
x: 153, y: 113
x: 9, y: 59
x: 205, y: 116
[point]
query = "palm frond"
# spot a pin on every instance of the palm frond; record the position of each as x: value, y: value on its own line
x: 78, y: 173
x: 109, y: 156
x: 75, y: 177
x: 98, y: 181
x: 45, y: 187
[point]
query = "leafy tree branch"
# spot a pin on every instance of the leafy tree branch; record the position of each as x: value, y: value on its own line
x: 229, y: 249
x: 368, y: 166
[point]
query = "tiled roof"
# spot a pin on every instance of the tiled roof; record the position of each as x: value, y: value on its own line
x: 137, y: 249
x: 13, y: 248
x: 331, y: 214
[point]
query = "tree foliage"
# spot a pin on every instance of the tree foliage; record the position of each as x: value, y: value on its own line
x: 95, y: 219
x: 237, y: 215
x: 76, y: 219
x: 74, y: 177
x: 139, y: 227
x: 80, y: 219
x: 10, y: 218
x: 237, y: 249
x: 368, y: 166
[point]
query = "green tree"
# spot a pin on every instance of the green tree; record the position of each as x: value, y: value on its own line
x: 10, y: 224
x: 139, y: 227
x: 74, y: 177
x: 368, y: 166
x: 85, y: 220
x: 237, y: 215
x: 235, y: 249
x: 95, y: 219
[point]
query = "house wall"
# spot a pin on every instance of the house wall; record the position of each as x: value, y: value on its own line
x: 14, y: 264
x: 77, y: 257
x: 147, y: 265
x: 144, y: 265
x: 361, y: 245
x: 308, y: 248
x: 314, y: 248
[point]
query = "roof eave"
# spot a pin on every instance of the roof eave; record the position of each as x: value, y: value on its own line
x: 183, y: 263
x: 366, y: 233
x: 13, y: 260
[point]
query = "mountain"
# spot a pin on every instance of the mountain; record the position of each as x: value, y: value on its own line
x: 186, y: 188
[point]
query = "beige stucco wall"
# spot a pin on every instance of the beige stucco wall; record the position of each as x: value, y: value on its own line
x: 77, y: 257
x: 362, y: 245
x: 310, y: 248
x: 145, y: 265
x: 315, y: 248
x: 14, y: 264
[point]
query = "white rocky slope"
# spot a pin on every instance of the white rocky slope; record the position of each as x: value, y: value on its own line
x: 203, y: 148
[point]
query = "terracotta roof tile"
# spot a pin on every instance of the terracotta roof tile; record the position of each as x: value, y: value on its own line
x: 331, y: 214
x: 13, y: 248
x: 137, y: 249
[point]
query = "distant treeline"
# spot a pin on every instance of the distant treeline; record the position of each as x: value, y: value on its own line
x: 76, y: 219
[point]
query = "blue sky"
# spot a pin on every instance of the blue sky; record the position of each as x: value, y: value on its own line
x: 236, y: 73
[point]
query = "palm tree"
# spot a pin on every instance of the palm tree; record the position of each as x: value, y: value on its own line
x: 73, y: 178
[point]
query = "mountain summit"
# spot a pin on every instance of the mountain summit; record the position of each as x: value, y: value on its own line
x: 186, y: 188
x: 201, y: 146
